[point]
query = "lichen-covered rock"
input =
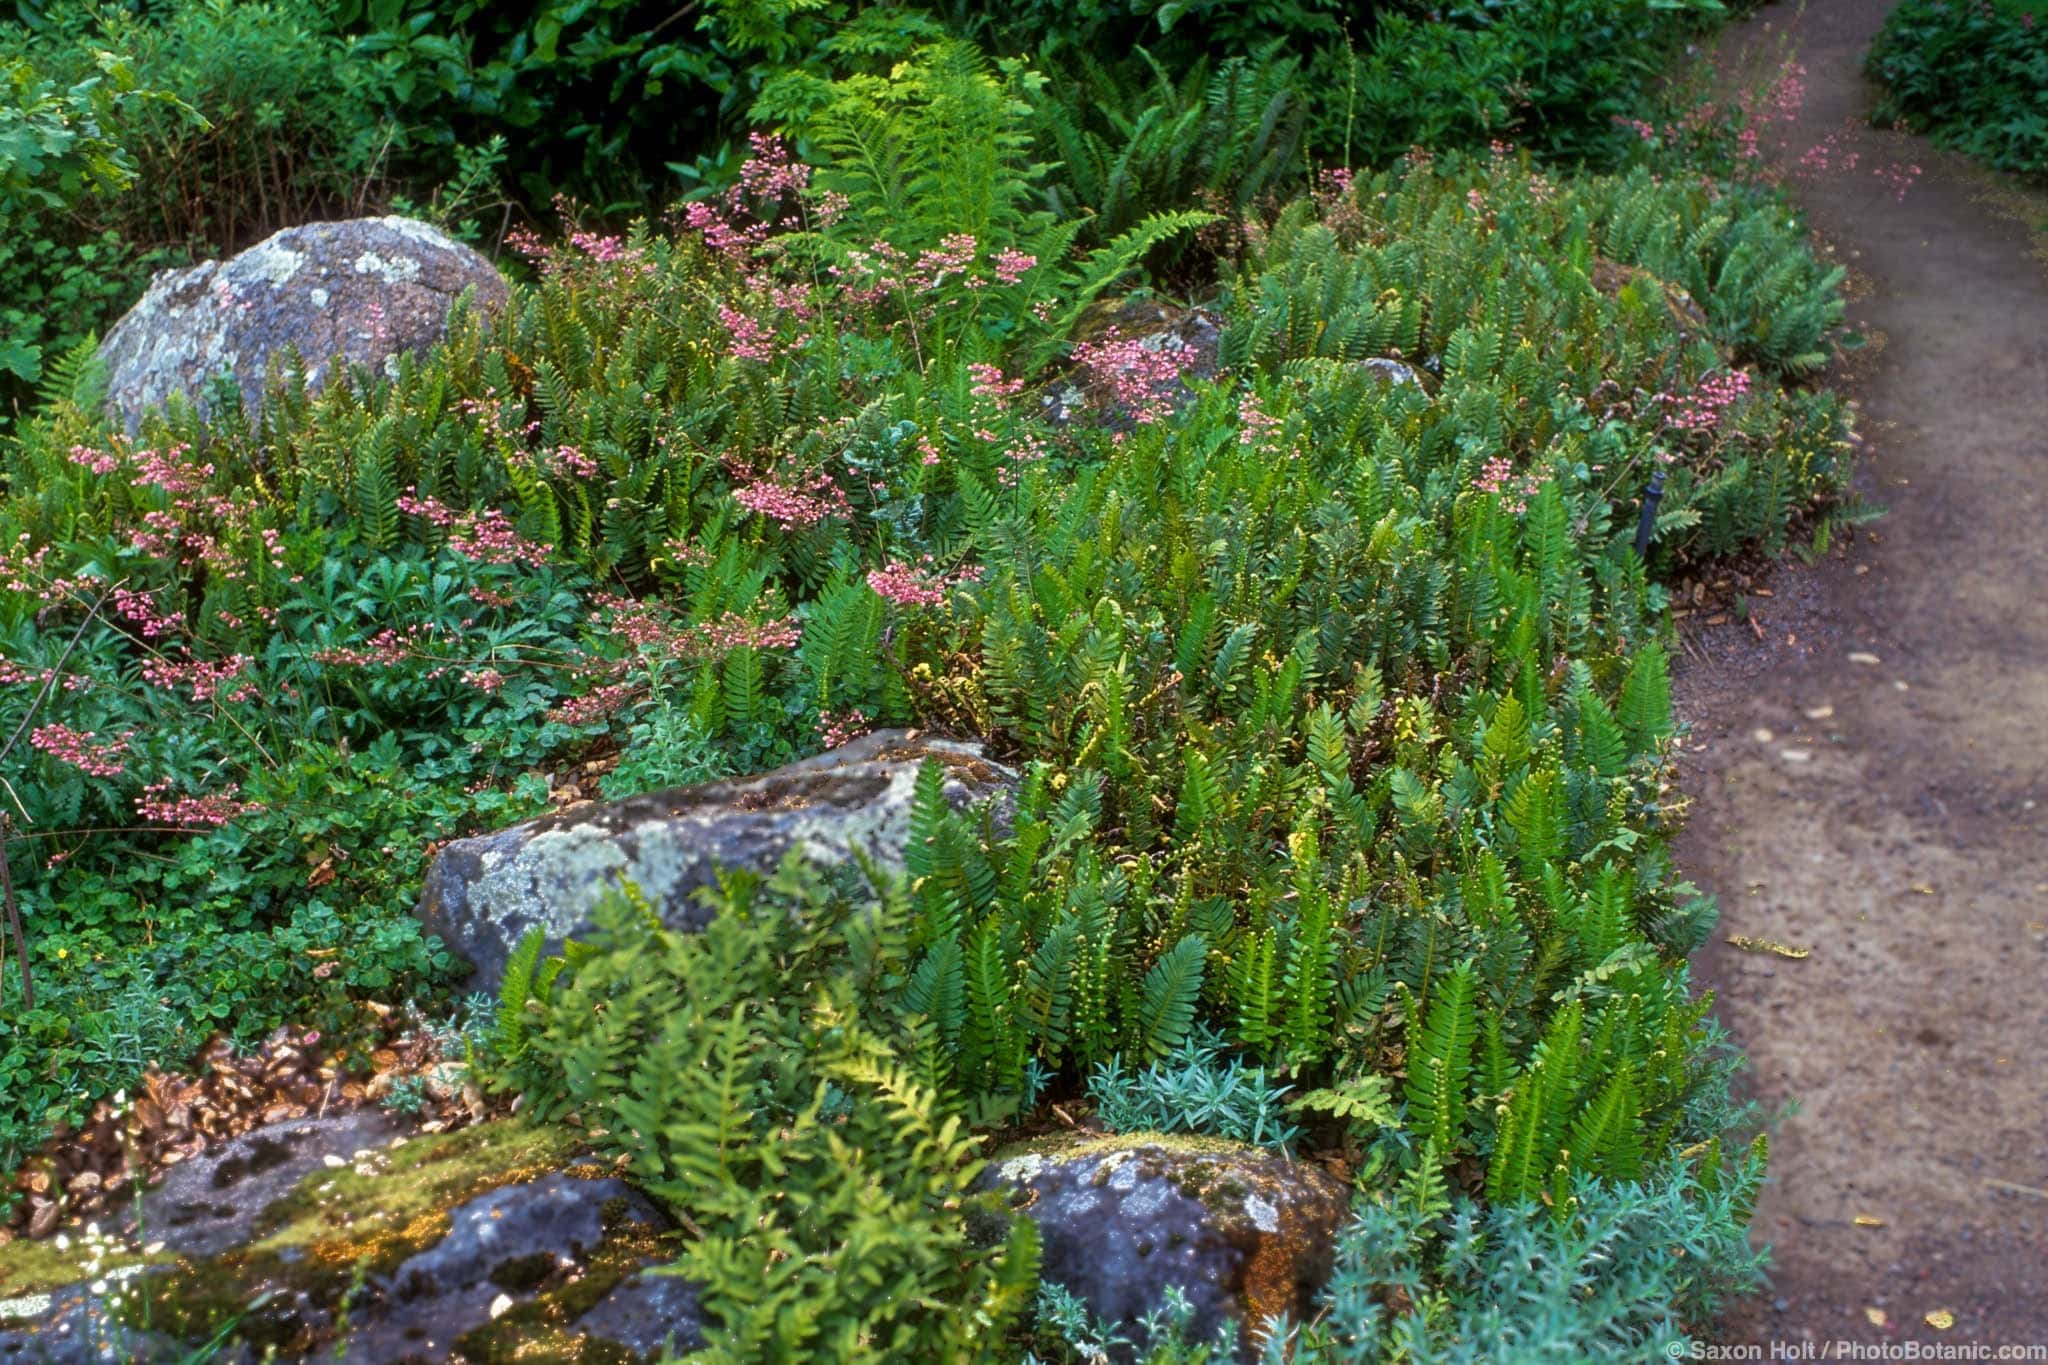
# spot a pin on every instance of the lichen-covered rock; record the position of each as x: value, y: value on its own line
x: 1156, y: 338
x: 1245, y: 1232
x: 482, y: 894
x: 1393, y: 372
x: 357, y: 292
x: 490, y: 1243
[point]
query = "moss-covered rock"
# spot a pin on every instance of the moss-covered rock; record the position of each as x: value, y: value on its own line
x: 1245, y: 1232
x: 460, y: 1246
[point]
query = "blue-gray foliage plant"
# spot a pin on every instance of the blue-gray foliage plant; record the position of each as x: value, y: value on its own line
x: 1192, y: 1090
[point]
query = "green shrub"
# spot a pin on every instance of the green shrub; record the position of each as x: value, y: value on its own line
x: 199, y: 129
x: 1555, y: 75
x: 1223, y: 137
x: 1192, y: 1090
x: 1970, y: 74
x: 62, y: 147
x: 758, y: 1078
x: 1341, y: 703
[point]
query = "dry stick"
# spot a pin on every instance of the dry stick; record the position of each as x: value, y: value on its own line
x: 28, y: 985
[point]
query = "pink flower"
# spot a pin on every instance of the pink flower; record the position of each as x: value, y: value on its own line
x: 837, y: 728
x: 793, y: 505
x: 82, y: 749
x: 1140, y: 373
x: 989, y: 382
x: 1701, y: 409
x: 484, y: 537
x: 1010, y: 265
x: 157, y: 806
x: 571, y: 463
x: 752, y: 339
x: 916, y: 585
x: 1255, y: 425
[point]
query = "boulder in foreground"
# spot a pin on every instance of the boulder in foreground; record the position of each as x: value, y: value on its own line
x: 1245, y: 1232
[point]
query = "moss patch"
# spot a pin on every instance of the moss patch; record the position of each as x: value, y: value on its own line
x: 543, y: 1328
x: 311, y: 1246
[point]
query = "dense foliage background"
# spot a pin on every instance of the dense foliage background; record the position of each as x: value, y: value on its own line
x: 1971, y: 74
x: 1339, y: 688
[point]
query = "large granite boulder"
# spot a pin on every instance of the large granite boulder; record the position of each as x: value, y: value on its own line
x: 483, y: 894
x: 1245, y: 1232
x: 336, y: 1238
x: 357, y: 292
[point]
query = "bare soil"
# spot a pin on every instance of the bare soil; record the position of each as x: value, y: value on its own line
x: 1870, y: 779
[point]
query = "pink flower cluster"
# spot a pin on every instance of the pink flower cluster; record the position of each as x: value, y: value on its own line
x: 1700, y: 410
x: 140, y: 611
x: 989, y: 382
x: 569, y: 462
x: 742, y: 218
x: 169, y: 470
x: 600, y: 703
x: 82, y: 749
x: 841, y: 727
x: 733, y: 631
x: 1140, y: 374
x: 954, y: 255
x: 649, y: 626
x: 1255, y: 426
x: 752, y: 339
x: 207, y: 679
x: 917, y: 585
x: 484, y: 537
x: 388, y: 648
x: 1011, y: 265
x: 158, y: 806
x: 792, y: 504
x: 1498, y: 476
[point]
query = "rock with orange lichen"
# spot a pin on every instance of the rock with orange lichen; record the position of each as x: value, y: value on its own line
x: 1246, y: 1232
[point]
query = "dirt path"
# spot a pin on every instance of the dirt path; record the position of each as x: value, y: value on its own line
x: 1875, y: 783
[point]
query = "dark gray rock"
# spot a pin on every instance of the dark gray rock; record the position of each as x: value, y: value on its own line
x: 649, y: 1313
x: 216, y: 1201
x: 1245, y: 1232
x: 71, y: 1327
x: 482, y: 894
x: 505, y: 1249
x: 492, y: 1243
x: 357, y: 292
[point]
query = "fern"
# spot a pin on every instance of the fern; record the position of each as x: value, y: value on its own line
x: 1439, y: 1062
x: 1166, y: 1004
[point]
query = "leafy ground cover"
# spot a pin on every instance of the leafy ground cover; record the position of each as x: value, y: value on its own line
x: 1342, y: 702
x: 156, y: 134
x: 1972, y: 76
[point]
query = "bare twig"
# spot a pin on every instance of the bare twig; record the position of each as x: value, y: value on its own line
x: 28, y: 985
